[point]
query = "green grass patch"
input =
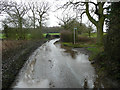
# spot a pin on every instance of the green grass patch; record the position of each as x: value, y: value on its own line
x: 93, y: 35
x: 78, y: 45
x: 84, y: 34
x: 50, y: 34
x: 95, y: 51
x: 2, y: 36
x: 27, y: 36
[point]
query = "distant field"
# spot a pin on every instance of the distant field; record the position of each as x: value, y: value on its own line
x: 92, y: 34
x: 50, y: 34
x: 2, y: 36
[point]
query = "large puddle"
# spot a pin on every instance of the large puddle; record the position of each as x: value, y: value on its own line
x: 50, y: 66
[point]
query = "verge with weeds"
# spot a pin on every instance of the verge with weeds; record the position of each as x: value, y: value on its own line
x: 14, y: 55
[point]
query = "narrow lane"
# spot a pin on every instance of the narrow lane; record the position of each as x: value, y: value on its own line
x: 51, y: 67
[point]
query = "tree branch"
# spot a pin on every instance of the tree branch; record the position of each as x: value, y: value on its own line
x: 89, y: 16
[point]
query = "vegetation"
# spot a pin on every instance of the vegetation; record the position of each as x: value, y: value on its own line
x: 71, y: 23
x: 105, y: 57
x: 80, y: 45
x: 112, y: 42
x: 14, y: 34
x: 2, y: 36
x: 50, y: 34
x: 55, y: 29
x: 113, y: 33
x: 19, y: 23
x: 92, y: 35
x: 66, y: 36
x: 14, y: 54
x: 98, y: 10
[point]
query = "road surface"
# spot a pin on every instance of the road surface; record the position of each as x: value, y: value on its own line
x: 51, y: 67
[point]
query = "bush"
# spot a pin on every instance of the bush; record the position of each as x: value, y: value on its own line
x: 66, y: 36
x: 36, y: 34
x: 112, y: 41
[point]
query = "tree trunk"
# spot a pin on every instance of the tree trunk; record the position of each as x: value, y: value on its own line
x: 33, y: 20
x: 89, y: 33
x: 21, y: 35
x: 99, y: 33
x: 99, y: 24
x: 40, y: 23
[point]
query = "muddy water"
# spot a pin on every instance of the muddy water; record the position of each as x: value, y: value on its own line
x: 50, y: 66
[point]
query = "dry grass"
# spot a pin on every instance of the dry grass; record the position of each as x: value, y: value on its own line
x: 10, y: 44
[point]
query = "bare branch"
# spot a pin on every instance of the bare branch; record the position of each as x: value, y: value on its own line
x: 16, y: 13
x: 33, y: 9
x: 89, y: 16
x: 42, y: 10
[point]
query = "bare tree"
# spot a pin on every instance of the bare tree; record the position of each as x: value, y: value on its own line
x: 17, y: 12
x: 33, y: 10
x: 27, y: 23
x: 99, y: 9
x: 16, y: 15
x: 4, y: 6
x: 90, y: 29
x: 42, y: 12
x: 65, y: 19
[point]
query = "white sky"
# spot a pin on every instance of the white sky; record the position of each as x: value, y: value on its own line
x: 53, y: 21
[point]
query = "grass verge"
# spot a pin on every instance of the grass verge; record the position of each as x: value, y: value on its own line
x: 78, y: 45
x: 93, y: 48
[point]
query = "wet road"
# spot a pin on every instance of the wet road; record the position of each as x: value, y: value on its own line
x: 51, y: 67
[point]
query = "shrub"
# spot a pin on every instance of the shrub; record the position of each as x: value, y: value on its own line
x: 66, y: 36
x: 112, y: 41
x: 85, y: 39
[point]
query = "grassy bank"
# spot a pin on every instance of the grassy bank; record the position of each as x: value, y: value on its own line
x: 78, y: 45
x: 14, y: 55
